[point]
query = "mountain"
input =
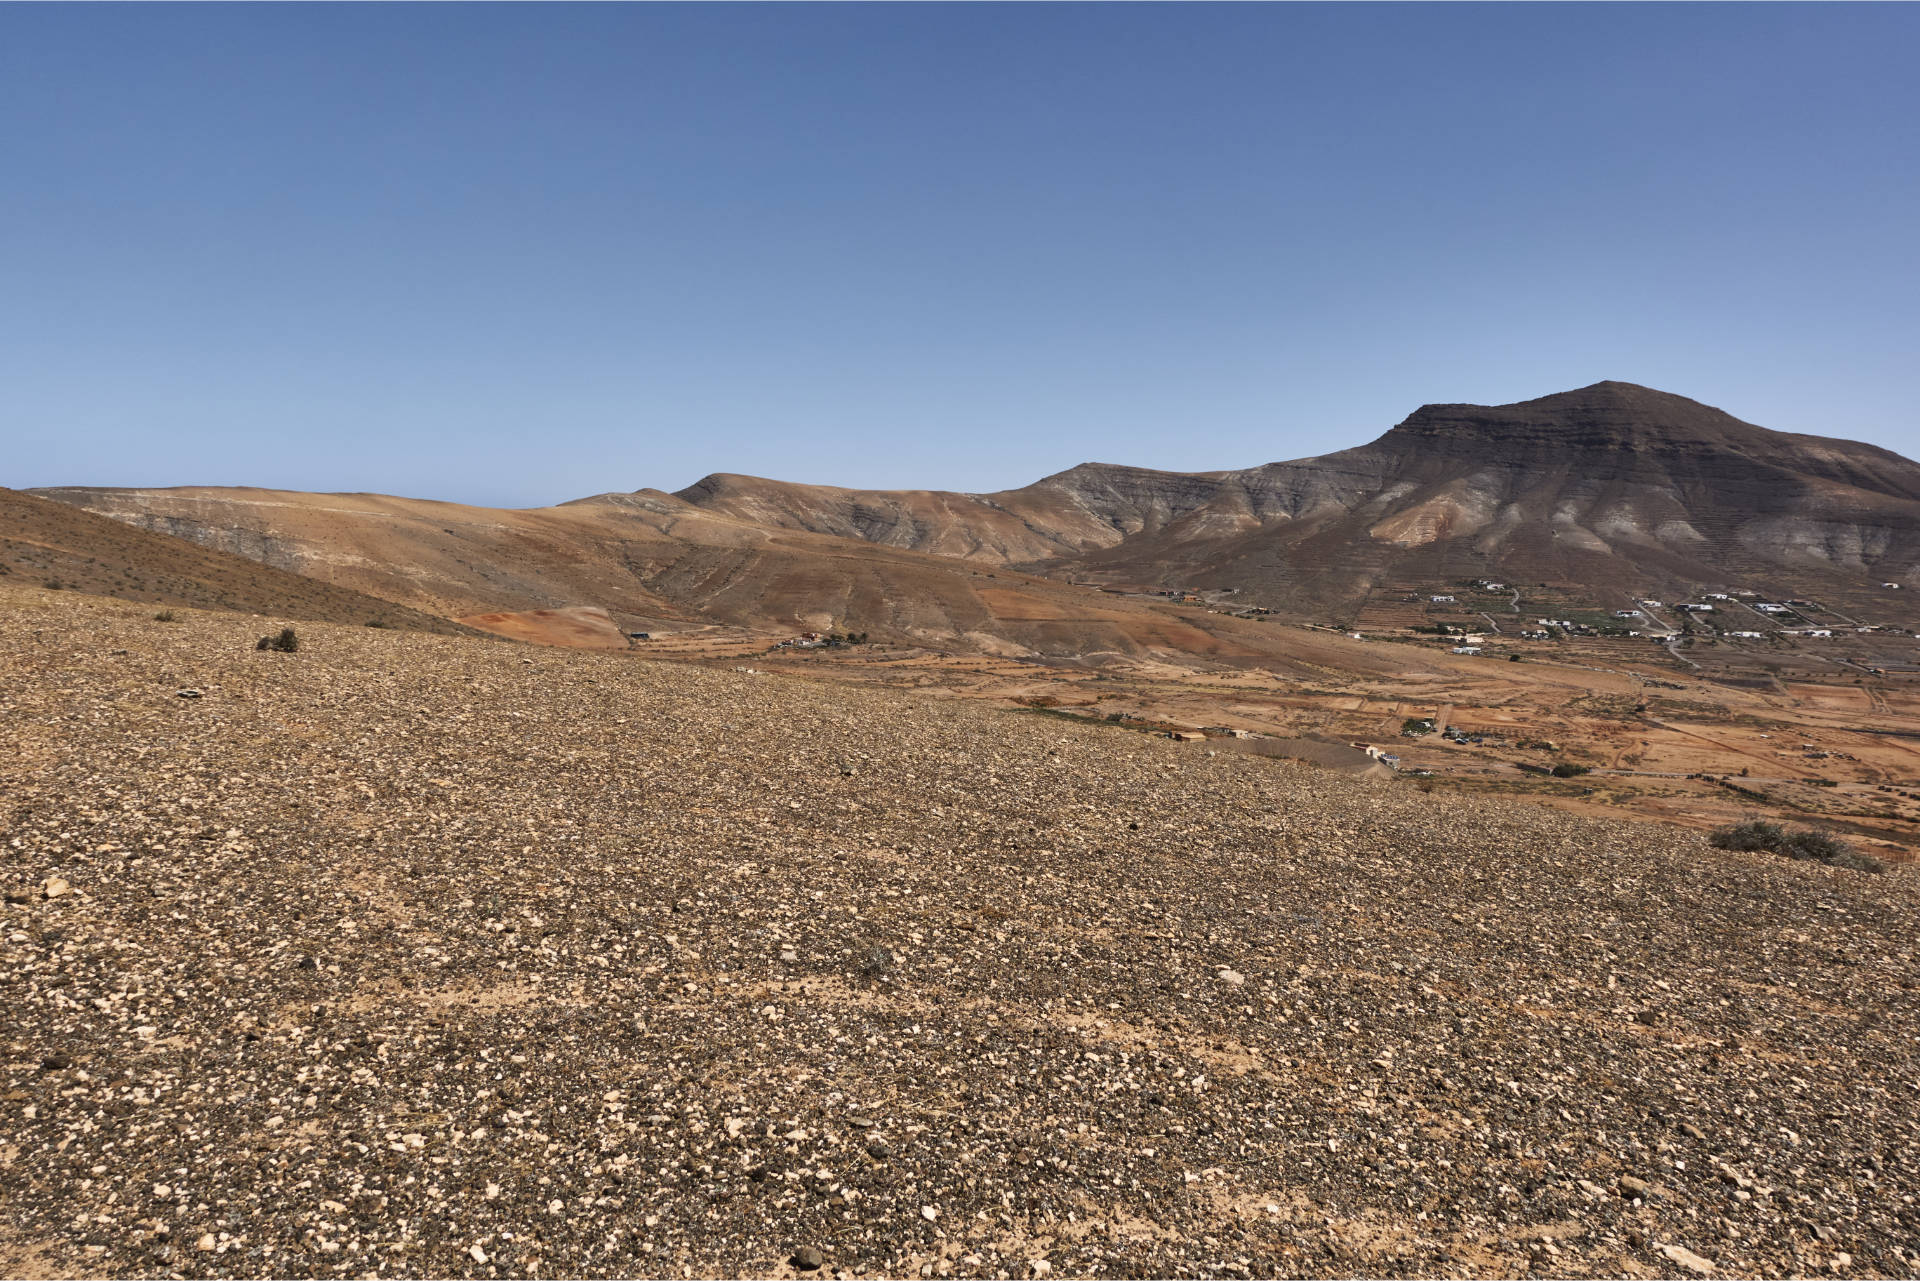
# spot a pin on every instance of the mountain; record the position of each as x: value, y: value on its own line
x: 1611, y: 486
x: 55, y: 544
x: 650, y: 560
x: 1613, y: 483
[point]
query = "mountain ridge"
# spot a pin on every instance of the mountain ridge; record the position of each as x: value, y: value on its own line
x: 1612, y: 486
x: 1614, y: 481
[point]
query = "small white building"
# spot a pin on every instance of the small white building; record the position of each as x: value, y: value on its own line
x: 1766, y: 608
x: 1441, y: 600
x: 1466, y: 649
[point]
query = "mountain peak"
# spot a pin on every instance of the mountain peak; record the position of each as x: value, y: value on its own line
x: 1604, y: 416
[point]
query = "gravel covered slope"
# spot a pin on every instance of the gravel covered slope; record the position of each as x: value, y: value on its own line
x: 419, y: 955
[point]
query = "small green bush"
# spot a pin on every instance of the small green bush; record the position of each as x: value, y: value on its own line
x: 1805, y: 844
x: 165, y: 616
x: 285, y: 643
x: 1567, y: 770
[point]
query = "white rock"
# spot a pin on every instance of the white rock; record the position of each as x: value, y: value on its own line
x: 1687, y: 1259
x: 479, y: 1255
x: 1231, y: 977
x: 205, y: 1244
x: 928, y: 1213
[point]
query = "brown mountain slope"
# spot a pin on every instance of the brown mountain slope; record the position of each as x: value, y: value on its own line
x: 651, y: 560
x: 1611, y: 483
x: 48, y: 543
x: 1612, y: 486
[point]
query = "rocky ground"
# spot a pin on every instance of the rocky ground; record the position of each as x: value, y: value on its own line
x: 426, y: 955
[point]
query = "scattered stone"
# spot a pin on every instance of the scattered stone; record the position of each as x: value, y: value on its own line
x: 55, y: 887
x: 1635, y: 1189
x: 808, y: 1259
x: 490, y: 936
x: 1687, y: 1259
x: 189, y: 693
x: 1231, y: 977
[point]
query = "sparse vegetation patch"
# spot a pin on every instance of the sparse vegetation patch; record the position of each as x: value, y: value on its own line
x: 1802, y: 843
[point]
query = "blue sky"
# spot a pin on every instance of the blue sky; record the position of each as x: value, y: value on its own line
x: 519, y: 254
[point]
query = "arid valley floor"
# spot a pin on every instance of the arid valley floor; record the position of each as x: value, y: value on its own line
x: 446, y: 955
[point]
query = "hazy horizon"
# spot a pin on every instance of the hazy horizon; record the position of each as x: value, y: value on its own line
x: 515, y: 255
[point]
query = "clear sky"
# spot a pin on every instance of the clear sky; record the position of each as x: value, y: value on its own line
x: 519, y: 254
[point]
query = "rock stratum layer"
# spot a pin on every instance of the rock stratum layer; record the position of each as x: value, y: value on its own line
x: 1613, y: 484
x: 531, y: 960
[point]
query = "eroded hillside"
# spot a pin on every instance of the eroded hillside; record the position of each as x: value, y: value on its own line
x: 50, y: 544
x: 433, y: 956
